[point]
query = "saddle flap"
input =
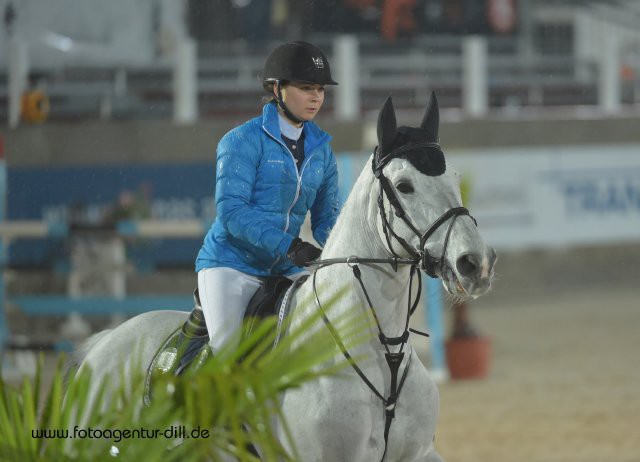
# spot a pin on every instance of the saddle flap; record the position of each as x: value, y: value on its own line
x: 265, y: 301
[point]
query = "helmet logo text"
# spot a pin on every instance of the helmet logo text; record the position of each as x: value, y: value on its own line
x: 319, y: 63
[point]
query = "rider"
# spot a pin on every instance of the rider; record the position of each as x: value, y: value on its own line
x: 270, y: 172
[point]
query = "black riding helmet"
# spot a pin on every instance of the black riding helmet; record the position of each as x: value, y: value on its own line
x: 296, y: 61
x: 299, y: 61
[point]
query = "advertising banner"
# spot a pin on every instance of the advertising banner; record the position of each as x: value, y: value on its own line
x: 548, y: 197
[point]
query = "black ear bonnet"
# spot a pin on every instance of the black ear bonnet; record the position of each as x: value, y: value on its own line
x: 419, y: 145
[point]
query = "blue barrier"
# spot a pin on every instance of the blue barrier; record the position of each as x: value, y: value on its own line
x: 433, y: 314
x: 89, y: 195
x: 4, y: 331
x: 346, y: 176
x: 96, y: 306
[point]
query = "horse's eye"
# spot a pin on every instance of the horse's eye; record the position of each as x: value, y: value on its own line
x: 404, y: 187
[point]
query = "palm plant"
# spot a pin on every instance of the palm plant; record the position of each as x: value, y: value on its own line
x: 221, y: 410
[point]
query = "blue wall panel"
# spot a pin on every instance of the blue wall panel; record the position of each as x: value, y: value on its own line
x: 87, y: 194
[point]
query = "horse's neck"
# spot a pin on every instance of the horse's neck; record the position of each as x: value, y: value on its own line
x: 355, y: 230
x: 355, y: 234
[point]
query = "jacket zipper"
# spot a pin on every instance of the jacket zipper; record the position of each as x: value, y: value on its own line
x: 299, y: 184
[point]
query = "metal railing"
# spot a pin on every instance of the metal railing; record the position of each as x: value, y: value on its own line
x: 229, y: 82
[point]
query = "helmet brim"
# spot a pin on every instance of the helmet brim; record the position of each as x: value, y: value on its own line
x: 274, y: 80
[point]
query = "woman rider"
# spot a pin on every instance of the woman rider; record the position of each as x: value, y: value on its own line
x: 270, y: 172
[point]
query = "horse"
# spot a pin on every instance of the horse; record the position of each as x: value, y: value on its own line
x: 404, y: 214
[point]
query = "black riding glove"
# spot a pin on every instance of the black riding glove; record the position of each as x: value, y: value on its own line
x: 301, y: 252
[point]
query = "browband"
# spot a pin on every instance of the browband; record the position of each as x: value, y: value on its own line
x: 379, y: 161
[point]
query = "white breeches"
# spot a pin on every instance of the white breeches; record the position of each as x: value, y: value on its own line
x: 224, y: 295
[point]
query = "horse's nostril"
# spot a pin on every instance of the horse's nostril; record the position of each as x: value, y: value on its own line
x: 467, y: 264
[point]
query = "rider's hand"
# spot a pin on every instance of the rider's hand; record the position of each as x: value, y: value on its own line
x: 301, y: 252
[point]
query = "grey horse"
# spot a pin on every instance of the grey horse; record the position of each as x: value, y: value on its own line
x: 403, y: 213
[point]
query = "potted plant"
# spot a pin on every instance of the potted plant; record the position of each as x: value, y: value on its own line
x: 468, y: 352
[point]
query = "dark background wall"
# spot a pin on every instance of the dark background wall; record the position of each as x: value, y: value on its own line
x: 136, y: 142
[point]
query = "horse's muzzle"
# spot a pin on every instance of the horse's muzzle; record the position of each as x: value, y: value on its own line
x: 475, y: 271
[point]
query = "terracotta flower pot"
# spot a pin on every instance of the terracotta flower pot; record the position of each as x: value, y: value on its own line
x: 468, y: 357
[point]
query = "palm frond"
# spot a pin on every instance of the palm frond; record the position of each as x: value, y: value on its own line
x: 233, y: 400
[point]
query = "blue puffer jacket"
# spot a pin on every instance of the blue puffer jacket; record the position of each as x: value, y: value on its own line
x: 262, y: 199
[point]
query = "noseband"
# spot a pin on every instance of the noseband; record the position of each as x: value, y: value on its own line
x: 428, y: 263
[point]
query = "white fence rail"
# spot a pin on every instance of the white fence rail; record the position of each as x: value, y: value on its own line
x: 231, y: 81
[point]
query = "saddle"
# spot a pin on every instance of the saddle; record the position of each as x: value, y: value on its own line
x: 188, y: 346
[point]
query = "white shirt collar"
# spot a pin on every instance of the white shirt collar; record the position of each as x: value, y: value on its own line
x: 288, y: 130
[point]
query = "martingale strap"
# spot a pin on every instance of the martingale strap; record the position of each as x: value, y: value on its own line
x: 418, y: 258
x: 394, y: 360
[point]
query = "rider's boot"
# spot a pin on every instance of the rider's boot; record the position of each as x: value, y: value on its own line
x: 187, y: 346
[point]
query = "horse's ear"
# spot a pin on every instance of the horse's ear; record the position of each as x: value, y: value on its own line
x: 387, y: 127
x: 431, y: 119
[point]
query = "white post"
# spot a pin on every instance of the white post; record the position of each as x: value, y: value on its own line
x: 120, y: 83
x: 18, y: 61
x: 346, y: 71
x: 609, y: 81
x: 185, y: 82
x: 583, y: 32
x: 475, y: 88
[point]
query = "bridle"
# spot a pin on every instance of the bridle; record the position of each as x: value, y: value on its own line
x: 419, y: 258
x: 428, y: 263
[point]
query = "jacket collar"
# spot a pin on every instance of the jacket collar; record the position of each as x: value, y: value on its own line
x: 313, y: 135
